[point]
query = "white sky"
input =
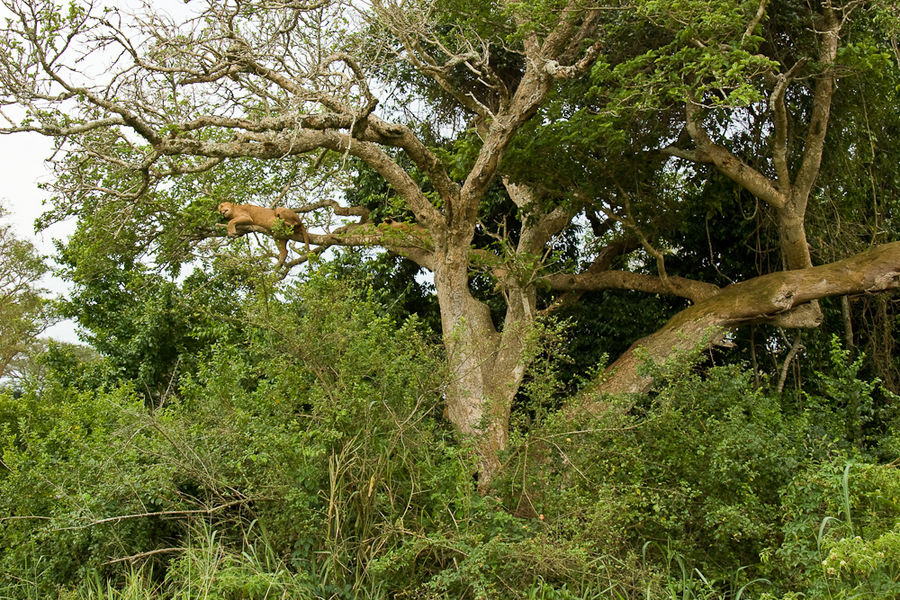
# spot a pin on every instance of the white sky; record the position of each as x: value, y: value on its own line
x: 22, y: 167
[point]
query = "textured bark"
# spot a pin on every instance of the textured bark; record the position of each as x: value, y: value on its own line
x: 693, y: 290
x: 757, y: 300
x: 792, y: 237
x: 486, y: 366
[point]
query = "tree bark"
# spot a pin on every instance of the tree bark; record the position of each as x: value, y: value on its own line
x: 486, y: 366
x: 761, y: 299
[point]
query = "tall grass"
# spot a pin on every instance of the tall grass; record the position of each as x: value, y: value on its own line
x: 206, y: 570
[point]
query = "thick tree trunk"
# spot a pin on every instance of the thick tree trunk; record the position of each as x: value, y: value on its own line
x: 795, y: 254
x: 761, y: 299
x: 470, y: 341
x: 486, y: 366
x: 792, y: 237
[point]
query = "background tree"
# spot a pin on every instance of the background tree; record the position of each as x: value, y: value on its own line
x: 728, y: 71
x: 24, y: 309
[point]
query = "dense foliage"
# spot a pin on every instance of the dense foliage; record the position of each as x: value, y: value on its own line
x: 304, y: 455
x: 588, y: 300
x: 23, y: 306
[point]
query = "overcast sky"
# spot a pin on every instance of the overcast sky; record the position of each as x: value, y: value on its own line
x: 22, y: 158
x: 23, y: 168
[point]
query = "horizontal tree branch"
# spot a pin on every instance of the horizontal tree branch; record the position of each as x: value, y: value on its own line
x: 140, y: 555
x: 414, y: 246
x: 763, y: 298
x: 161, y: 513
x: 696, y: 291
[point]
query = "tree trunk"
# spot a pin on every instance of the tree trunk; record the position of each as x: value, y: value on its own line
x: 486, y: 366
x: 795, y: 255
x: 762, y: 299
x: 792, y: 237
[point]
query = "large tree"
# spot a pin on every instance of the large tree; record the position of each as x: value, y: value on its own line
x: 434, y: 97
x: 764, y: 126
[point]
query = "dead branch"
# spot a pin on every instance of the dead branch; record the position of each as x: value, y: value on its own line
x: 163, y: 513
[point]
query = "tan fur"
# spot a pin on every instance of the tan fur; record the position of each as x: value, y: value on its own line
x: 292, y: 219
x: 249, y: 214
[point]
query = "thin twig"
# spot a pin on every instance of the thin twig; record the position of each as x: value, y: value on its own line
x: 162, y: 513
x: 795, y: 348
x: 143, y: 555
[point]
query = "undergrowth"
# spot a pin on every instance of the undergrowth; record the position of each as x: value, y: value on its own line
x: 310, y: 460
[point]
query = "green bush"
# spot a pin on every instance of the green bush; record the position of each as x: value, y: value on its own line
x: 702, y: 464
x: 704, y: 480
x: 842, y: 530
x: 321, y: 435
x: 70, y: 460
x: 309, y: 459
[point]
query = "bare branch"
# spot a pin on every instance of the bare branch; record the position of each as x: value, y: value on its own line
x: 677, y: 152
x: 760, y: 13
x: 59, y: 131
x: 796, y: 347
x: 413, y: 28
x: 161, y: 513
x: 818, y: 124
x: 777, y: 105
x: 693, y: 290
x: 140, y: 555
x: 737, y: 170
